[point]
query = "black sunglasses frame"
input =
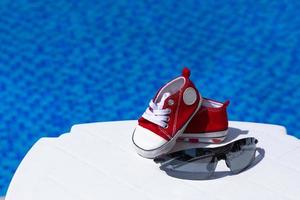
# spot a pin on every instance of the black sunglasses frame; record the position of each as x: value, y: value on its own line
x: 217, y: 154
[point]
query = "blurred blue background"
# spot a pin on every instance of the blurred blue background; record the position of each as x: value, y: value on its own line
x: 65, y: 62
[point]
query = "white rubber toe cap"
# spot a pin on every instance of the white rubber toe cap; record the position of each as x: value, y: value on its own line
x: 146, y: 139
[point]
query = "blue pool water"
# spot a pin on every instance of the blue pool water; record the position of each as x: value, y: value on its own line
x: 66, y: 62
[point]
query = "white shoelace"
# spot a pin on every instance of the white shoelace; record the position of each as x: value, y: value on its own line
x: 158, y: 115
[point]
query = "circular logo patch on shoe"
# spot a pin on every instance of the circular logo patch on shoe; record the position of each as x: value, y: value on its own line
x: 189, y: 96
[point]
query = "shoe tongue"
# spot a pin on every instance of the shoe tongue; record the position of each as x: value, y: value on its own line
x: 161, y: 103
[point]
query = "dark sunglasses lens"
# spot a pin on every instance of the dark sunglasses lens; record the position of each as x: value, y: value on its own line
x: 188, y: 162
x: 241, y: 155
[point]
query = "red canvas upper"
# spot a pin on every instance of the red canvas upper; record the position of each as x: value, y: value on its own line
x: 180, y: 112
x: 209, y: 119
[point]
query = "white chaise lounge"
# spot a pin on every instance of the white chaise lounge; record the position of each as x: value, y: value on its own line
x: 96, y: 161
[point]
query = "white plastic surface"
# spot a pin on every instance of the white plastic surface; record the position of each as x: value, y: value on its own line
x: 97, y: 161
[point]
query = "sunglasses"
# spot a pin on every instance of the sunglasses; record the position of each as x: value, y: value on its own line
x: 238, y: 155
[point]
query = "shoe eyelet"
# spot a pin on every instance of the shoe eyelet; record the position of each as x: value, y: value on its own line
x: 169, y: 110
x: 166, y: 126
x: 171, y: 102
x: 168, y: 119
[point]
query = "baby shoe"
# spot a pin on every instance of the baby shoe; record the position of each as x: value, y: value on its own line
x: 209, y: 125
x: 167, y: 116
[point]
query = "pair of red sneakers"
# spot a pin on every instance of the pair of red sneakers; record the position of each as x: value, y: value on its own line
x: 179, y: 113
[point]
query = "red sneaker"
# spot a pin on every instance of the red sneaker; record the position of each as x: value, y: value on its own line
x: 209, y: 125
x: 167, y: 116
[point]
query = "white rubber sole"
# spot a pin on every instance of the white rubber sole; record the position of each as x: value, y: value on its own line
x: 165, y: 148
x: 211, y: 137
